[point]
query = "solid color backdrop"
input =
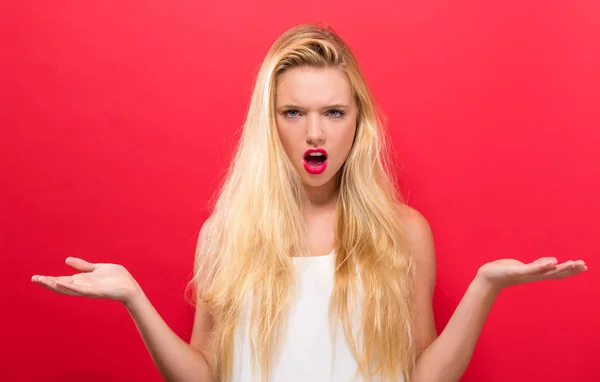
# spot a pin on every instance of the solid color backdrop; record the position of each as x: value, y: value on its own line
x: 118, y: 120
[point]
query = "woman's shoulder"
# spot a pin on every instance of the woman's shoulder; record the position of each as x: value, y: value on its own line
x: 418, y: 229
x: 206, y: 227
x: 413, y: 219
x: 201, y: 253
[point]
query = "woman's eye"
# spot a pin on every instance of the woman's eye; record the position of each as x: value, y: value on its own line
x: 287, y: 113
x: 336, y: 113
x: 293, y: 113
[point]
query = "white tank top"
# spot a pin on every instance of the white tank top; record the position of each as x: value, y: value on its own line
x: 307, y: 353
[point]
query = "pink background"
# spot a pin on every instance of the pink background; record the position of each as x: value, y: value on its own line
x: 118, y: 119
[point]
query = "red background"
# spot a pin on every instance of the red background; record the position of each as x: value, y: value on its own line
x: 118, y: 119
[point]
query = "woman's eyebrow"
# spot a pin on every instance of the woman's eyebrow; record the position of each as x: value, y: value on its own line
x: 334, y: 106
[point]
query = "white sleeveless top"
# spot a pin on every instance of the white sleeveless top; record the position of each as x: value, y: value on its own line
x: 307, y: 353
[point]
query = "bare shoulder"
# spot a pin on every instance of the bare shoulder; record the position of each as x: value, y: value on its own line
x: 421, y: 238
x: 423, y: 253
x: 417, y: 225
x: 201, y: 258
x: 206, y: 228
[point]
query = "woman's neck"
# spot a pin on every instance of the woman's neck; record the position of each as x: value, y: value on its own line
x: 323, y: 196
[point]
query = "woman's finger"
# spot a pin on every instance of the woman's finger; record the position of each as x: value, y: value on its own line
x: 550, y: 273
x: 80, y: 264
x: 541, y: 265
x: 566, y: 269
x: 545, y: 260
x: 54, y: 284
x: 565, y: 273
x: 74, y: 287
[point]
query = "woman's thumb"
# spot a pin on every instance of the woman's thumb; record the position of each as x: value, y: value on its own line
x: 80, y: 264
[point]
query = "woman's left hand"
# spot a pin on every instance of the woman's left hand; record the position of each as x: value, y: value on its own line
x: 507, y: 272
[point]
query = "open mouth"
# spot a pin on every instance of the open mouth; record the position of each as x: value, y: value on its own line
x: 315, y: 160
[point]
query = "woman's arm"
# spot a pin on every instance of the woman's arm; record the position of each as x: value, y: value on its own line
x: 445, y: 358
x: 175, y: 359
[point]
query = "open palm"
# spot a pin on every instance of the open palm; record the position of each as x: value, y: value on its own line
x: 507, y: 272
x: 101, y: 280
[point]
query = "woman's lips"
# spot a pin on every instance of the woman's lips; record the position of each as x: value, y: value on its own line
x: 315, y: 169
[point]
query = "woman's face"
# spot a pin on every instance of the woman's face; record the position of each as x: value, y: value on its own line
x: 316, y: 121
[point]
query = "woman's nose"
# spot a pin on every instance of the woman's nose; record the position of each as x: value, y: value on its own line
x: 315, y: 133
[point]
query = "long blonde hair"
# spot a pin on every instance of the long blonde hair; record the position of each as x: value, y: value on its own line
x: 257, y: 225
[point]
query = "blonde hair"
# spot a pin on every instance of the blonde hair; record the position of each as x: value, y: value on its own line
x: 257, y: 225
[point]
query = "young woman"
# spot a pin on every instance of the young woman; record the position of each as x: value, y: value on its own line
x: 311, y: 267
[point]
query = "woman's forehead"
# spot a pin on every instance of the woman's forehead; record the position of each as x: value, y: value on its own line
x: 313, y: 87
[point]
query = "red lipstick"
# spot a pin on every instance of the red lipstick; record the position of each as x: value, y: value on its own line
x: 317, y: 162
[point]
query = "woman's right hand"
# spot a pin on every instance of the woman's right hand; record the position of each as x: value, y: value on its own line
x: 111, y: 281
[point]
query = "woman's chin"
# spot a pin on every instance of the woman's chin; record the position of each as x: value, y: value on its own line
x: 315, y: 180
